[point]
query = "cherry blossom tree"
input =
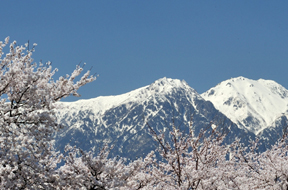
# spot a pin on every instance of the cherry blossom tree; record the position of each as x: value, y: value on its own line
x: 261, y: 170
x: 84, y: 170
x: 28, y: 94
x: 186, y: 161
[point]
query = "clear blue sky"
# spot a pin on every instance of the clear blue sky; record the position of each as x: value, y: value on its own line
x: 133, y: 43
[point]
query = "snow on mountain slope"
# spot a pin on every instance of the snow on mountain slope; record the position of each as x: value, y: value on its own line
x: 249, y: 103
x: 101, y: 104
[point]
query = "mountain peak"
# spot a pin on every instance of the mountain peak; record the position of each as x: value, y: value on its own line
x: 166, y: 85
x: 169, y: 82
x: 237, y: 80
x: 254, y: 104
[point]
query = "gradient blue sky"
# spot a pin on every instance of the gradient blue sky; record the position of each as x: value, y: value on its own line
x: 131, y: 44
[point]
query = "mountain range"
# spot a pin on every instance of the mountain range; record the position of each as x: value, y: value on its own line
x: 241, y: 107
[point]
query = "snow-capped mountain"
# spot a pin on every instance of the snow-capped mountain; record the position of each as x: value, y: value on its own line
x: 251, y: 104
x: 121, y: 120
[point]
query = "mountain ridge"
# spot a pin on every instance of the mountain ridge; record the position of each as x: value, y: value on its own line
x: 164, y: 103
x: 120, y: 121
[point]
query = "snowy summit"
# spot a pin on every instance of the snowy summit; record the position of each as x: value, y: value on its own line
x: 253, y: 104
